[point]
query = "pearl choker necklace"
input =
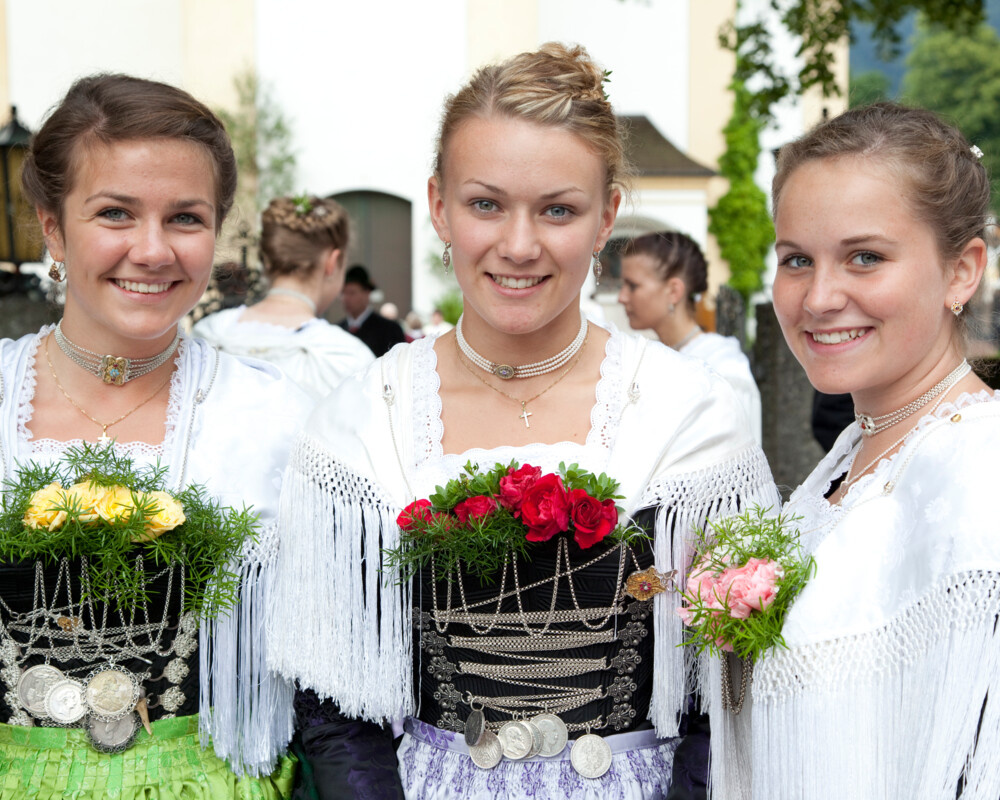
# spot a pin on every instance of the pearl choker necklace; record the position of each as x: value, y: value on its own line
x: 870, y: 426
x: 113, y: 370
x: 506, y: 371
x: 304, y: 298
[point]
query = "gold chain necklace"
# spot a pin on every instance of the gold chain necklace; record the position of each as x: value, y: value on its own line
x: 104, y: 439
x: 524, y: 403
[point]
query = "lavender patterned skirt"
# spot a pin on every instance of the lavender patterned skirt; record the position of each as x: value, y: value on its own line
x: 434, y: 764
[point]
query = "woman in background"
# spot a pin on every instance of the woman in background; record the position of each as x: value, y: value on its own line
x: 303, y: 245
x: 662, y: 276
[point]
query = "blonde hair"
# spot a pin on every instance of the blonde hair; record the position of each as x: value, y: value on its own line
x: 296, y: 232
x: 555, y: 85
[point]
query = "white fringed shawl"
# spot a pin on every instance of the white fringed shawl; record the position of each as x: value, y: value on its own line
x: 891, y: 686
x: 341, y: 624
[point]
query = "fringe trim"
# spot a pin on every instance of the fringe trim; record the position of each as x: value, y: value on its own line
x: 686, y: 503
x: 911, y: 710
x: 245, y: 710
x: 340, y: 624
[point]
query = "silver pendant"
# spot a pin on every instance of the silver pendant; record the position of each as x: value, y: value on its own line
x: 33, y: 685
x: 64, y: 702
x: 475, y: 726
x: 590, y: 756
x: 515, y: 739
x: 113, y: 736
x: 111, y: 692
x: 554, y: 734
x: 488, y: 752
x: 536, y: 738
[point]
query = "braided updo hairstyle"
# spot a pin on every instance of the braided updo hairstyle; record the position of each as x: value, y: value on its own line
x: 296, y: 232
x: 555, y: 85
x: 945, y: 185
x: 676, y: 256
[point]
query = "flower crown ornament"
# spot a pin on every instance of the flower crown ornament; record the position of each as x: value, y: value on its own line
x: 479, y: 518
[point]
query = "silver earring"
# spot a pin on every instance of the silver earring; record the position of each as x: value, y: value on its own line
x: 957, y: 307
x: 446, y: 257
x: 598, y: 267
x: 57, y: 271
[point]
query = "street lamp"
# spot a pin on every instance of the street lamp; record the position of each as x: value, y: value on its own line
x: 15, y: 221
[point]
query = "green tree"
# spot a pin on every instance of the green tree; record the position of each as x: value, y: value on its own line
x: 958, y: 76
x: 867, y: 88
x: 740, y: 221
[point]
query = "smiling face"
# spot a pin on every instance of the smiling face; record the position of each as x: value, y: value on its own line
x: 138, y: 239
x: 524, y: 206
x: 861, y: 292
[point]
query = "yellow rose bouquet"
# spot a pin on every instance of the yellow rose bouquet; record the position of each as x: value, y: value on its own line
x: 96, y: 504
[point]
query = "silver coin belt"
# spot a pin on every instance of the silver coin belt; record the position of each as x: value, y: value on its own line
x: 97, y: 693
x: 525, y: 649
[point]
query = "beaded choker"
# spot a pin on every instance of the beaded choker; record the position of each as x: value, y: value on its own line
x: 870, y: 426
x: 113, y: 370
x: 506, y: 371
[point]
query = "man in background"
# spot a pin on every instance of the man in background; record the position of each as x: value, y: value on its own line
x: 379, y: 333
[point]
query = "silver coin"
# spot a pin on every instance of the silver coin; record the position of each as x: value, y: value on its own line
x: 488, y: 752
x: 590, y: 756
x: 554, y: 734
x: 474, y: 727
x: 64, y: 702
x: 112, y: 736
x: 111, y: 692
x: 536, y: 738
x: 33, y: 685
x: 515, y: 738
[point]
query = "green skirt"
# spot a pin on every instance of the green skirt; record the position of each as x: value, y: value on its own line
x: 46, y: 763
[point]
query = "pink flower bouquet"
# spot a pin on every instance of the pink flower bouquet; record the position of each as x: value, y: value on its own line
x: 748, y: 571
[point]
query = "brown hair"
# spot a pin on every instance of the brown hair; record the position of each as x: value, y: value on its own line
x: 946, y: 186
x: 676, y: 256
x: 113, y: 108
x: 296, y: 231
x: 555, y: 85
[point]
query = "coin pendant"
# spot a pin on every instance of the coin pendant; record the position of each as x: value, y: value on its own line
x: 554, y: 734
x: 515, y: 738
x: 590, y: 756
x: 536, y: 738
x: 111, y: 692
x: 474, y: 727
x: 488, y: 752
x: 112, y: 736
x: 33, y: 685
x: 64, y: 702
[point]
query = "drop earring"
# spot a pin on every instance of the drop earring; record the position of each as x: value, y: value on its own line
x: 446, y: 258
x: 57, y: 271
x: 598, y: 267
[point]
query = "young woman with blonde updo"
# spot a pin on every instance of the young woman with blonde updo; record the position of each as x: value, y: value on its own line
x: 303, y: 246
x: 527, y: 181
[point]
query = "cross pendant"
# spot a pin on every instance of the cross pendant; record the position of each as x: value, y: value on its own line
x: 525, y: 414
x: 104, y: 437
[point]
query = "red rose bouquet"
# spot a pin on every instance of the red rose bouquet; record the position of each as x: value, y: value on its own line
x: 481, y: 517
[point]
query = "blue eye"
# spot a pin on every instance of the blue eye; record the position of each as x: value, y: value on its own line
x: 866, y: 259
x: 188, y: 219
x: 796, y: 261
x: 559, y: 212
x: 114, y: 214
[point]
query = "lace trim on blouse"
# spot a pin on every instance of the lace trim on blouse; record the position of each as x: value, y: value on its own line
x: 56, y: 447
x: 428, y: 429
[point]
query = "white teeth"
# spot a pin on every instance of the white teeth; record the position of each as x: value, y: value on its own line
x: 837, y: 336
x: 515, y: 283
x: 143, y: 288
